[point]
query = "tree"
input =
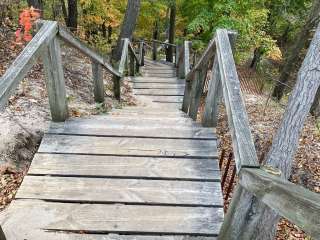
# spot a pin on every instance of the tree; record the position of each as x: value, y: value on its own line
x: 261, y: 221
x: 172, y: 27
x: 70, y: 15
x: 128, y: 26
x: 293, y: 53
x: 38, y: 4
x: 315, y: 108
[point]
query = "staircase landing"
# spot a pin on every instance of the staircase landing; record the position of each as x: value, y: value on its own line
x: 139, y: 173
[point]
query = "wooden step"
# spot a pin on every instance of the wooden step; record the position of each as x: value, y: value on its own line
x: 108, y: 190
x: 26, y: 215
x: 125, y: 167
x: 160, y: 92
x: 172, y: 80
x: 158, y: 86
x: 118, y: 146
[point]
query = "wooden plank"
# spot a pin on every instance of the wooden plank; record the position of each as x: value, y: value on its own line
x: 130, y: 129
x: 54, y: 235
x: 67, y: 37
x: 128, y: 146
x: 108, y: 190
x: 295, y: 203
x: 210, y: 113
x: 159, y: 92
x: 158, y: 85
x: 128, y: 167
x: 98, y: 84
x: 55, y: 81
x: 124, y: 56
x: 24, y: 62
x: 196, y: 92
x: 162, y: 75
x: 159, y: 71
x: 167, y: 99
x: 245, y: 153
x: 146, y: 110
x: 172, y: 80
x: 115, y: 218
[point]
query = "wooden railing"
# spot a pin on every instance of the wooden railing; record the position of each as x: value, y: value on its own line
x: 45, y: 45
x: 297, y: 204
x: 157, y: 46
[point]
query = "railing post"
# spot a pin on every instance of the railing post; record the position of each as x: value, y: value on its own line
x: 98, y: 85
x: 154, y: 50
x: 117, y: 87
x: 177, y: 56
x: 2, y: 236
x: 55, y: 81
x: 210, y: 114
x: 196, y: 91
x: 186, y: 68
x: 142, y: 53
x: 131, y: 63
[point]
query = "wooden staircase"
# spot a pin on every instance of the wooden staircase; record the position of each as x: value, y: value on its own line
x: 144, y: 172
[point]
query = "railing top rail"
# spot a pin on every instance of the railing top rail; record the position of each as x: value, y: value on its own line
x: 67, y: 37
x: 24, y: 62
x: 160, y: 42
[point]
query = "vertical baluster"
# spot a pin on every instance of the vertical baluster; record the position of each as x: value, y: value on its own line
x: 2, y: 236
x: 154, y: 50
x: 55, y: 81
x: 131, y: 63
x: 98, y: 85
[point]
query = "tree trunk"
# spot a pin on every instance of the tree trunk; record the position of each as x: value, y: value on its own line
x: 315, y: 108
x: 260, y: 221
x: 256, y: 58
x: 72, y: 15
x: 128, y: 26
x: 169, y: 55
x: 293, y: 53
x: 38, y: 4
x: 64, y: 11
x: 109, y: 34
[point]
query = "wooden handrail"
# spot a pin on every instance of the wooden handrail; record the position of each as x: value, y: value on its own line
x: 67, y: 37
x: 25, y: 61
x: 295, y: 203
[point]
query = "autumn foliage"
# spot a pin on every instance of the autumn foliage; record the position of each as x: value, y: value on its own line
x: 26, y: 19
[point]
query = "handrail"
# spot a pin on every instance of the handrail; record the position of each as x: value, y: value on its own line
x: 25, y: 61
x: 66, y: 36
x: 46, y: 45
x: 297, y: 204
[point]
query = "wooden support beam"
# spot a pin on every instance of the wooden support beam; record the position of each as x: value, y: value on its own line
x: 177, y: 56
x: 98, y: 85
x: 55, y: 81
x: 196, y: 91
x: 186, y: 68
x: 131, y: 64
x: 117, y: 87
x: 210, y: 114
x: 141, y: 53
x: 124, y: 56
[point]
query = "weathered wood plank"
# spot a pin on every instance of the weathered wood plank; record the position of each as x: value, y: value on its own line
x: 24, y: 62
x: 108, y: 190
x: 42, y: 234
x: 67, y: 37
x: 297, y: 204
x: 113, y: 218
x: 55, y: 83
x: 173, y: 80
x: 127, y: 128
x: 159, y: 74
x: 245, y: 154
x: 124, y: 55
x: 210, y: 113
x: 159, y: 92
x: 158, y: 85
x: 169, y: 99
x: 196, y: 92
x: 98, y: 84
x: 128, y: 146
x: 128, y: 167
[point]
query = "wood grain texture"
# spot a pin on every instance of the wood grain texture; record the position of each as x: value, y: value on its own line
x: 67, y: 37
x: 55, y: 83
x: 113, y: 218
x: 145, y: 85
x: 42, y: 234
x: 295, y: 203
x: 172, y: 80
x: 128, y: 146
x: 106, y: 190
x: 124, y: 56
x: 210, y: 113
x: 159, y: 92
x: 25, y: 60
x: 168, y: 99
x: 98, y: 84
x: 127, y: 167
x: 245, y: 154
